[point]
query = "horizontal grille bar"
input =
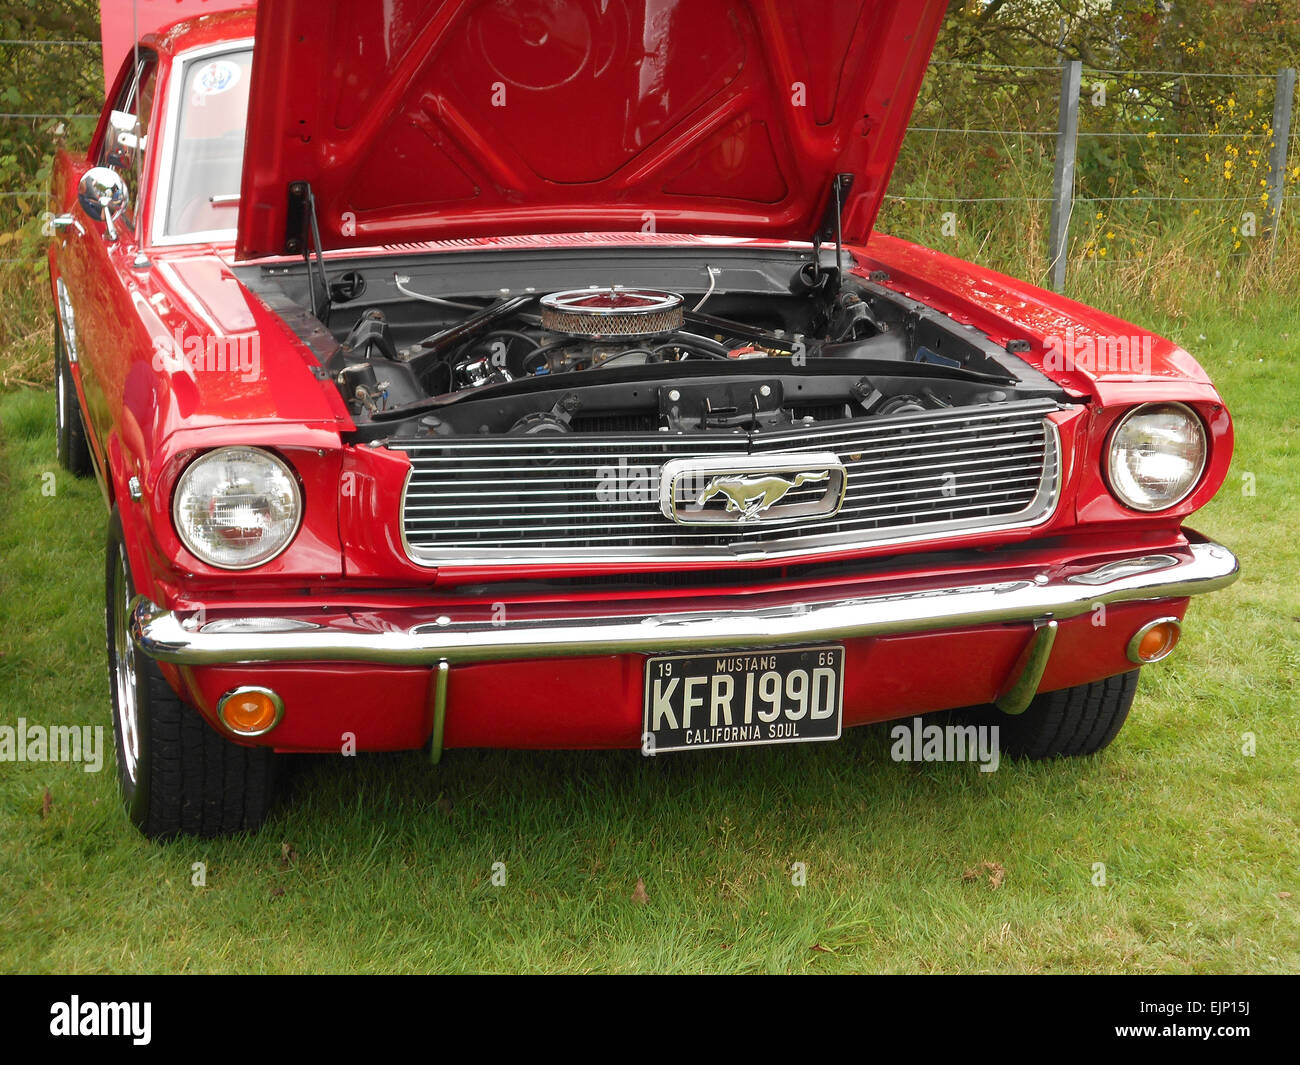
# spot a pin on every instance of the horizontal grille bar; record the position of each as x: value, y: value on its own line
x: 886, y: 457
x: 461, y: 512
x: 638, y: 537
x: 996, y: 494
x: 1033, y: 462
x: 595, y: 495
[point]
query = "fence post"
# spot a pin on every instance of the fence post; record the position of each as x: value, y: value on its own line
x: 1281, y: 140
x: 1067, y: 139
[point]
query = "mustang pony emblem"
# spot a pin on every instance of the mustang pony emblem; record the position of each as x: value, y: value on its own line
x: 755, y: 488
x: 750, y: 496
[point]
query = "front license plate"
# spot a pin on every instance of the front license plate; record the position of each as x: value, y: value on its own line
x: 737, y: 699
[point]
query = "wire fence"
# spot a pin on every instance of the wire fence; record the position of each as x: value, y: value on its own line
x: 1133, y: 155
x: 1253, y: 137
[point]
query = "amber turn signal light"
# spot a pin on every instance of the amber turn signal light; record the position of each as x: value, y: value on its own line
x: 1154, y: 640
x: 250, y: 711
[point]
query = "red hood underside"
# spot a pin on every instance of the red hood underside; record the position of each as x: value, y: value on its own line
x: 436, y: 119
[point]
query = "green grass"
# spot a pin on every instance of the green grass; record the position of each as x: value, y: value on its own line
x: 393, y: 858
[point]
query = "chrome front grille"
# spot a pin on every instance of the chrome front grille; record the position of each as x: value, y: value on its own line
x: 588, y: 496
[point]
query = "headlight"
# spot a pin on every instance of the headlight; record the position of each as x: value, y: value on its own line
x: 1157, y: 454
x: 237, y: 507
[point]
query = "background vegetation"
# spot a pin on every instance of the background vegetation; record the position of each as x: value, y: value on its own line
x: 383, y: 864
x: 41, y: 85
x: 1175, y: 132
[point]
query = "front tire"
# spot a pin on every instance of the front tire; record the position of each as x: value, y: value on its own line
x: 177, y: 775
x: 70, y: 441
x: 1067, y: 723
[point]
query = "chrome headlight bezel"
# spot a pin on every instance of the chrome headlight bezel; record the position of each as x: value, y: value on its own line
x: 250, y: 452
x: 1114, y: 479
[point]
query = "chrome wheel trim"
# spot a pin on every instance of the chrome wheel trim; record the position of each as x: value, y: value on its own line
x: 60, y: 401
x: 126, y: 705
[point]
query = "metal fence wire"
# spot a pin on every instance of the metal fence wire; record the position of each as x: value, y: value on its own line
x: 1107, y: 155
x: 1098, y: 160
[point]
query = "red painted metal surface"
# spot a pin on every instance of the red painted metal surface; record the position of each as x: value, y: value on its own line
x: 438, y: 118
x: 146, y: 422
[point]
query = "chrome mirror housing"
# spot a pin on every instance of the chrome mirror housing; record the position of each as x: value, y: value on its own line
x: 126, y: 129
x: 103, y: 196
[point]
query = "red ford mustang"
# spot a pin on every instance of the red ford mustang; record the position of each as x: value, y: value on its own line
x: 529, y: 375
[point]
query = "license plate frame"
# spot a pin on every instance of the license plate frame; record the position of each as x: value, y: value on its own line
x: 668, y: 702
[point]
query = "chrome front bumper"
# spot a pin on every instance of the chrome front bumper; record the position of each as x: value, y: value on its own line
x: 1049, y: 596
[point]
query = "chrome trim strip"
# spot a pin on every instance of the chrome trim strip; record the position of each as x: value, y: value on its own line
x: 1027, y: 674
x: 1108, y: 572
x: 66, y: 319
x: 157, y: 235
x: 171, y: 637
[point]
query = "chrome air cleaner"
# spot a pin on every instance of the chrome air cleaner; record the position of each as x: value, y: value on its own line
x: 604, y: 313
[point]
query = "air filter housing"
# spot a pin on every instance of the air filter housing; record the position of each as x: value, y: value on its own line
x: 605, y: 313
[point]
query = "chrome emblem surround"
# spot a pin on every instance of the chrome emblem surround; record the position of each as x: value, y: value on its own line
x: 751, y: 488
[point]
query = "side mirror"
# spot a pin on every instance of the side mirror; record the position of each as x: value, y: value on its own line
x: 103, y: 196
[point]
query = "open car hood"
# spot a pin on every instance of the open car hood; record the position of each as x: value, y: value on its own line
x: 421, y: 120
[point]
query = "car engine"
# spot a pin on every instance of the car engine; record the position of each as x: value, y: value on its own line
x: 771, y: 353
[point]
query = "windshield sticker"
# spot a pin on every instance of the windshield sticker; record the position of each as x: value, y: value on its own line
x: 216, y: 77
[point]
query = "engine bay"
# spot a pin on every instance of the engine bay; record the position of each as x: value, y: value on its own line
x: 748, y: 342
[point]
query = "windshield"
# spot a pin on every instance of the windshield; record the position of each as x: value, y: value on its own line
x: 208, y: 154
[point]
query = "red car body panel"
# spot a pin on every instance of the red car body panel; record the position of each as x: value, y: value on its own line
x: 348, y: 558
x: 734, y: 115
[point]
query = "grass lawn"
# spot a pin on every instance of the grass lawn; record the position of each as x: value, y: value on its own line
x: 383, y: 863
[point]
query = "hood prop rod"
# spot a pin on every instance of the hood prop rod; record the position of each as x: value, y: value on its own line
x: 832, y: 226
x: 300, y: 224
